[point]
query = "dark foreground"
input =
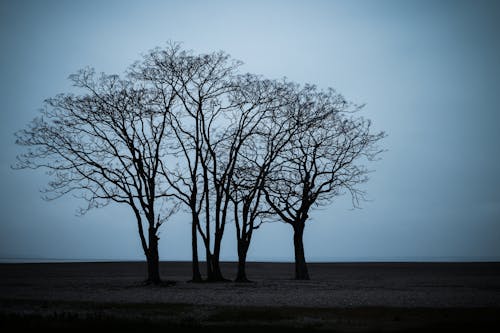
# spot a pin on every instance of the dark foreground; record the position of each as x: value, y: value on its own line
x: 357, y: 297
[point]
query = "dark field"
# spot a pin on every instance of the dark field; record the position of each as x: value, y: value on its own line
x: 340, y: 297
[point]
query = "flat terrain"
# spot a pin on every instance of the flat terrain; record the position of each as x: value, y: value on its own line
x: 340, y: 296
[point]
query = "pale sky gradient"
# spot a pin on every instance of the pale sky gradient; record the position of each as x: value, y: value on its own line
x: 429, y: 72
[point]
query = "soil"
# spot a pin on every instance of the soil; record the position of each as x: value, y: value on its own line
x: 339, y: 296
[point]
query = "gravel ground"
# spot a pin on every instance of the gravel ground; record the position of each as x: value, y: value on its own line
x: 339, y: 285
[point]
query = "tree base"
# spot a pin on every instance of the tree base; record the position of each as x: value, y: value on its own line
x: 161, y: 283
x: 302, y: 278
x: 215, y: 280
x: 242, y: 280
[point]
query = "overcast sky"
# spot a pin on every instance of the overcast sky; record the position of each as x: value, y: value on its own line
x: 428, y: 71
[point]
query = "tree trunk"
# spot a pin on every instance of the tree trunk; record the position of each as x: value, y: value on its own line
x: 210, y: 272
x: 216, y: 271
x: 241, y: 276
x: 194, y: 246
x: 301, y: 272
x: 153, y: 260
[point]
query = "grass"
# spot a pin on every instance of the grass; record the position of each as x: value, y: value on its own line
x: 61, y: 316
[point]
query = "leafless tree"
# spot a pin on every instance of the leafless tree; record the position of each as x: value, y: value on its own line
x: 106, y: 145
x: 264, y: 129
x: 187, y: 128
x: 323, y: 160
x: 200, y: 126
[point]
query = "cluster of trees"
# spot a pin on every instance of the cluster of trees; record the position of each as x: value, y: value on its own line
x: 186, y: 131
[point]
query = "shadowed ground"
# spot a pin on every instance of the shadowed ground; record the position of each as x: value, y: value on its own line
x: 341, y: 297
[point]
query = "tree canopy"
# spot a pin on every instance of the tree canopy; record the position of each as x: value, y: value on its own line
x: 189, y: 130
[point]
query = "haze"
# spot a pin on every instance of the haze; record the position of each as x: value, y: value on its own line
x: 428, y: 71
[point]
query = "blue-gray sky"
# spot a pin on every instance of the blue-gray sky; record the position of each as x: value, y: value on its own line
x: 429, y: 72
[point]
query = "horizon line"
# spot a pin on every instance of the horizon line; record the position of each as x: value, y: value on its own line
x: 421, y: 259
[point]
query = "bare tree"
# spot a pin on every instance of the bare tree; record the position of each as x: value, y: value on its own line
x: 106, y: 145
x: 188, y: 127
x: 322, y: 161
x: 264, y: 129
x: 202, y: 176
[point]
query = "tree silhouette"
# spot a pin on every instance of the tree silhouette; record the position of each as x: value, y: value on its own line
x: 188, y: 129
x: 268, y: 130
x: 322, y: 160
x: 202, y: 177
x: 107, y: 145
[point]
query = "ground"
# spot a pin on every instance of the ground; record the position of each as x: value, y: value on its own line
x: 340, y: 297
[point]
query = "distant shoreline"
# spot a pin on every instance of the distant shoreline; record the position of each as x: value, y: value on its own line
x: 278, y: 260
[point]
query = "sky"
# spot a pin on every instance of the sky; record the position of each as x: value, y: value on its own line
x: 428, y: 71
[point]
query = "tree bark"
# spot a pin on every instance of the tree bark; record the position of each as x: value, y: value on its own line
x: 216, y: 271
x: 241, y: 275
x: 301, y: 272
x: 194, y: 246
x: 215, y: 259
x: 153, y: 260
x: 210, y: 272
